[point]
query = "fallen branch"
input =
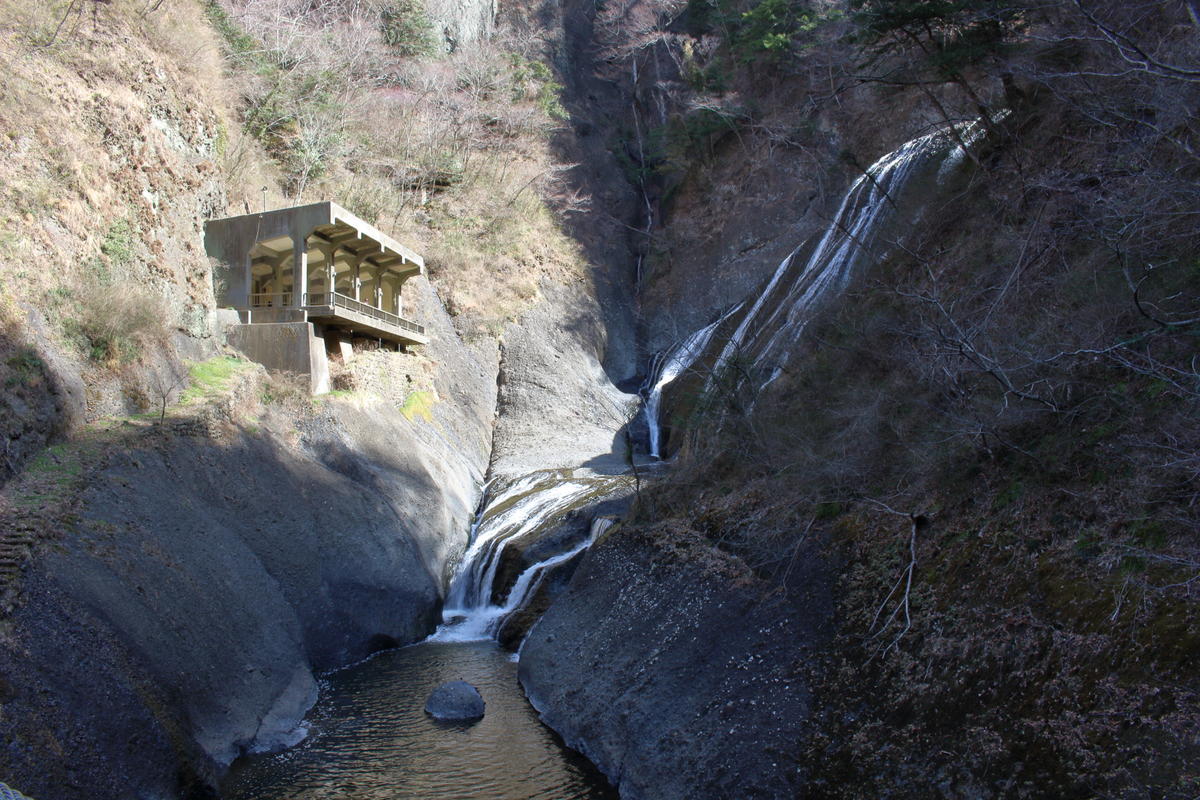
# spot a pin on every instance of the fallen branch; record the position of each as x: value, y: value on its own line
x: 904, y: 603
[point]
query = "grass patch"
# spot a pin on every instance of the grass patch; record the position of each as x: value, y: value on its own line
x: 51, y: 477
x: 24, y: 368
x: 212, y: 378
x: 419, y: 404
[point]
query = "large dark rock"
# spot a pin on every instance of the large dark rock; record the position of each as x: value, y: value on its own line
x: 677, y: 671
x: 455, y: 701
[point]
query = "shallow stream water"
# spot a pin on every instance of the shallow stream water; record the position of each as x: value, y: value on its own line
x: 370, y: 739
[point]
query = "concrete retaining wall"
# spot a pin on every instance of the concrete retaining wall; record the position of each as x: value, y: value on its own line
x: 286, y: 346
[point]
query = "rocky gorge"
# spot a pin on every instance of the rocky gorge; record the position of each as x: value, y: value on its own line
x: 926, y: 526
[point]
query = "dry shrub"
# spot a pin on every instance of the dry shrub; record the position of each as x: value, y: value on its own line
x: 183, y: 34
x: 341, y: 377
x: 112, y: 323
x: 286, y: 391
x: 451, y: 156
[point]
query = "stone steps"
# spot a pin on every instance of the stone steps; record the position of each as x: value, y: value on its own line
x: 15, y: 548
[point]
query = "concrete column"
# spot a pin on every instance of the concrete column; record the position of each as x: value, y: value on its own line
x: 379, y: 287
x: 327, y: 251
x: 248, y: 282
x: 356, y: 270
x: 277, y: 281
x: 332, y: 279
x: 299, y: 268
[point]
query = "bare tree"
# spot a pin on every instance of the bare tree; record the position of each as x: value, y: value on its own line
x: 166, y: 386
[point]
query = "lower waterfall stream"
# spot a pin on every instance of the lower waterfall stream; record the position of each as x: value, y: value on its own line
x: 369, y: 737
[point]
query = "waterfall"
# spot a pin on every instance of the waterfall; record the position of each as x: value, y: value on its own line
x: 766, y: 334
x: 528, y: 509
x: 670, y: 367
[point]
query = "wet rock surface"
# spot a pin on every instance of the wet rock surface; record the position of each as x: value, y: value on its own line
x: 558, y: 405
x: 524, y: 552
x: 455, y: 701
x: 678, y: 672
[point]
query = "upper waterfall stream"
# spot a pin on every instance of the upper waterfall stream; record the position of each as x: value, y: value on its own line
x: 761, y: 344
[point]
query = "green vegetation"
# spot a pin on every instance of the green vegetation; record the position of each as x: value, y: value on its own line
x: 760, y: 30
x: 24, y: 368
x: 407, y: 29
x: 772, y: 28
x: 531, y: 79
x: 212, y: 378
x: 419, y: 404
x: 241, y: 45
x: 52, y: 476
x: 118, y: 243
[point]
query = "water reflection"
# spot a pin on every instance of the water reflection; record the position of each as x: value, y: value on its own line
x: 370, y: 738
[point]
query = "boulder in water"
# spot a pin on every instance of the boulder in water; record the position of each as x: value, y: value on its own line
x: 455, y: 700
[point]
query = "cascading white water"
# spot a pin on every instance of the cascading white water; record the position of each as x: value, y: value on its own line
x: 534, y: 503
x: 764, y: 337
x: 675, y: 363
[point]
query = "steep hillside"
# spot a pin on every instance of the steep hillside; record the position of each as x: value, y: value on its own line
x: 113, y: 129
x: 186, y: 541
x: 989, y: 438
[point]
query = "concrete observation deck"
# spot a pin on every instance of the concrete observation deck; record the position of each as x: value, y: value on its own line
x: 316, y: 263
x: 308, y: 278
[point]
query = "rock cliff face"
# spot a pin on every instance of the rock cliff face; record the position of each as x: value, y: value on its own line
x: 558, y: 404
x: 177, y: 611
x: 461, y: 22
x: 678, y: 672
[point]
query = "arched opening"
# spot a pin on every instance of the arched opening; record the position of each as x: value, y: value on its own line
x: 271, y: 273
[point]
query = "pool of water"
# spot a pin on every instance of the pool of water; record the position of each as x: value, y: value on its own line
x: 370, y: 739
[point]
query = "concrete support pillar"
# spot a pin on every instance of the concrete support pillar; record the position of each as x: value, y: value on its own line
x: 277, y: 281
x: 248, y: 282
x: 356, y: 272
x: 328, y: 250
x: 299, y: 268
x: 332, y: 279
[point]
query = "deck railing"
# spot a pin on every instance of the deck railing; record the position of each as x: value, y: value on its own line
x: 337, y: 300
x: 271, y: 300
